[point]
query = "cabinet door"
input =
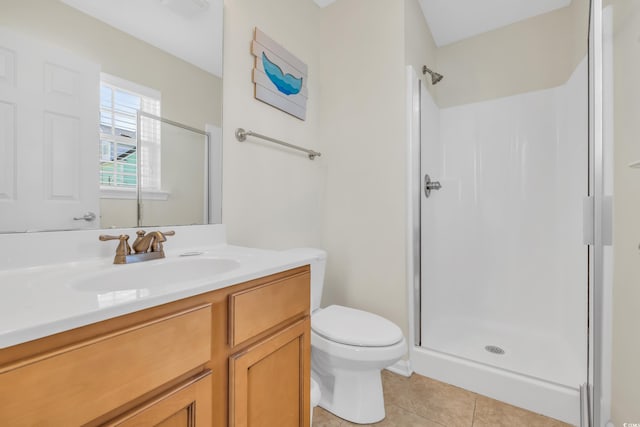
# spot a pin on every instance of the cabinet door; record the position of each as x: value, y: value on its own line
x: 269, y: 382
x: 187, y: 405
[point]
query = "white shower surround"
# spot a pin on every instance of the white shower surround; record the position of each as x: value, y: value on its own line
x: 503, y: 258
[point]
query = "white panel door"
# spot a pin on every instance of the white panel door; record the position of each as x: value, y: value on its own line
x: 49, y: 134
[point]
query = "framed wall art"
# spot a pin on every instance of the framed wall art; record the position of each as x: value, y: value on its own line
x: 280, y: 78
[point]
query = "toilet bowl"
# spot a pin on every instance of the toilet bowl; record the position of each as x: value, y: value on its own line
x: 347, y: 364
x: 349, y: 349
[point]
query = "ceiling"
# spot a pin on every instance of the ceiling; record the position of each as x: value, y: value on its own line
x: 454, y: 20
x: 189, y: 29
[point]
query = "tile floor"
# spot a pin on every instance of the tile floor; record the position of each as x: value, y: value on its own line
x: 422, y: 402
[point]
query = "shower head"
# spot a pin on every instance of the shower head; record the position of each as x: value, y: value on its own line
x: 435, y: 77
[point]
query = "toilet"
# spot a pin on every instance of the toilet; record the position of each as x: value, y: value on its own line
x: 349, y: 349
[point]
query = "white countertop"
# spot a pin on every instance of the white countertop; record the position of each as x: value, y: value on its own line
x: 37, y: 301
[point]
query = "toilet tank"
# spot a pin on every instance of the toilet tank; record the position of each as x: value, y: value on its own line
x: 318, y: 264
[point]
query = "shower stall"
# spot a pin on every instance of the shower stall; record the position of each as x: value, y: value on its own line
x: 500, y: 296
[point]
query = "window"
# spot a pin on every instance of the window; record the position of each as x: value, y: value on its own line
x: 120, y: 102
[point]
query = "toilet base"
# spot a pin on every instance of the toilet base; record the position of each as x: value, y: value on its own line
x: 354, y: 396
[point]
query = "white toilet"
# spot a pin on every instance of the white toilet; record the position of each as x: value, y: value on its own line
x: 349, y: 348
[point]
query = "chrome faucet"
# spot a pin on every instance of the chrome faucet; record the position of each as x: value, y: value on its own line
x: 147, y: 246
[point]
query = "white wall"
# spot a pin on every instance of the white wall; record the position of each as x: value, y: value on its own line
x: 626, y: 288
x: 350, y: 201
x: 533, y: 54
x: 419, y: 47
x: 362, y: 110
x: 272, y: 197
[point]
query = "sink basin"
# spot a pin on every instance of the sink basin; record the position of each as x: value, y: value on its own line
x: 154, y: 274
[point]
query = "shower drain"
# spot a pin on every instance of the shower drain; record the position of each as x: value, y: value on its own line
x: 494, y: 349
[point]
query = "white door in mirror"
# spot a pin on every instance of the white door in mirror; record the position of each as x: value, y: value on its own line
x: 49, y: 122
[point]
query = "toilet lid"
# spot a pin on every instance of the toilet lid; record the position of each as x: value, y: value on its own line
x: 355, y: 327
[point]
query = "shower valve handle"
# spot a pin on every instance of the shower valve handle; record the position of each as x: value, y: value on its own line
x: 430, y: 185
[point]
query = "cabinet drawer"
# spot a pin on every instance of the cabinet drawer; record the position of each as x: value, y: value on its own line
x: 76, y: 384
x: 255, y: 310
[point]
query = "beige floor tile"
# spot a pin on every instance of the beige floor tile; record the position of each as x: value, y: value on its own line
x: 322, y: 418
x: 422, y: 402
x: 395, y: 417
x: 445, y: 404
x: 327, y: 419
x: 399, y: 417
x: 396, y: 390
x: 492, y: 413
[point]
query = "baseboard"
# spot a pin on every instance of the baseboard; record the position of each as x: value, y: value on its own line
x: 401, y: 367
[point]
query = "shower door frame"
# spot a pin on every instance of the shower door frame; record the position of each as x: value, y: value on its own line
x: 598, y: 385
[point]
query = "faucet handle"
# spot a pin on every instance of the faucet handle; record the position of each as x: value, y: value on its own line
x: 135, y: 246
x: 157, y: 243
x: 123, y: 248
x: 105, y: 237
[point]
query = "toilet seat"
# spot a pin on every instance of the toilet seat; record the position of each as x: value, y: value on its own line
x: 349, y: 326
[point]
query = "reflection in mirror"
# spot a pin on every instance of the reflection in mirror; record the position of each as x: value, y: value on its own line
x: 71, y: 86
x: 182, y: 180
x: 172, y: 178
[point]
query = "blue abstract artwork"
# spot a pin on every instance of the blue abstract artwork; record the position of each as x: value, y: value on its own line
x: 280, y: 78
x: 287, y: 84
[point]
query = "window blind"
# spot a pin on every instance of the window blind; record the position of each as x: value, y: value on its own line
x: 120, y: 157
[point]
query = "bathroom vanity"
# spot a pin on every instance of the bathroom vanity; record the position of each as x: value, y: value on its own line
x: 237, y: 354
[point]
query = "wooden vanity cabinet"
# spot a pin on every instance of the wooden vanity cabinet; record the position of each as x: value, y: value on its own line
x: 237, y: 356
x: 268, y: 379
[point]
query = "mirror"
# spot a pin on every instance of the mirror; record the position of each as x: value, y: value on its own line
x: 75, y: 75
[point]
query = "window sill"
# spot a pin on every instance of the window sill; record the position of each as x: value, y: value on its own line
x: 132, y: 194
